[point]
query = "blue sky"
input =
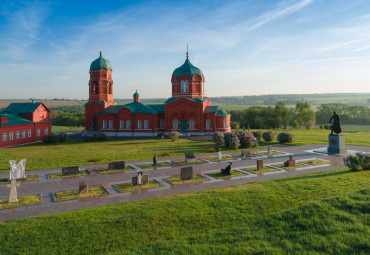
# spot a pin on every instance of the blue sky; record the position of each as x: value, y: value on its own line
x: 242, y: 47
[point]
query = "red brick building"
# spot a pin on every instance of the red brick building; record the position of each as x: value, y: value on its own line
x: 22, y: 123
x: 187, y: 111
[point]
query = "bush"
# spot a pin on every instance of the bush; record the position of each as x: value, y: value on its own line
x: 174, y: 135
x: 54, y: 138
x: 357, y: 162
x: 235, y: 125
x: 268, y: 136
x: 247, y: 140
x: 285, y: 137
x: 218, y: 138
x: 258, y: 135
x: 234, y: 142
x: 98, y: 137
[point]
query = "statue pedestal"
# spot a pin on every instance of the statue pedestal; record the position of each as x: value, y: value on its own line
x: 337, y: 144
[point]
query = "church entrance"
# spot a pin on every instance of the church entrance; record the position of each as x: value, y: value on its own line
x: 184, y: 128
x: 95, y: 125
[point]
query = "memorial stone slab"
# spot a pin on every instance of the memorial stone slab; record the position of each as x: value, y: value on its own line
x: 219, y: 155
x: 269, y: 150
x: 134, y: 181
x: 145, y: 179
x: 83, y: 188
x: 72, y: 170
x: 189, y: 157
x: 337, y: 144
x: 186, y: 173
x: 259, y: 164
x: 116, y: 165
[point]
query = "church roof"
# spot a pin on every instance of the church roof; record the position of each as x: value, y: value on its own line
x: 22, y: 107
x: 100, y: 63
x: 221, y: 112
x: 135, y: 107
x: 14, y: 119
x: 211, y: 109
x: 196, y: 99
x: 188, y: 69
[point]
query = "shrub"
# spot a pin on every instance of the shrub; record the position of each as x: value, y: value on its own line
x: 268, y: 136
x: 54, y: 138
x: 258, y: 135
x: 227, y: 139
x: 234, y: 141
x: 218, y: 138
x: 235, y: 125
x: 285, y: 137
x: 174, y: 135
x: 98, y: 137
x: 357, y: 162
x: 247, y: 140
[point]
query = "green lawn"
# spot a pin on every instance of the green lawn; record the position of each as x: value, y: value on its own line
x: 22, y: 201
x: 60, y: 175
x: 56, y: 129
x: 183, y: 162
x: 85, y: 153
x: 265, y: 169
x: 150, y: 165
x: 223, y: 158
x: 297, y: 165
x: 318, y: 213
x: 29, y: 178
x: 106, y: 170
x: 315, y: 162
x: 74, y: 194
x: 218, y: 174
x: 177, y: 180
x: 274, y: 153
x: 125, y: 187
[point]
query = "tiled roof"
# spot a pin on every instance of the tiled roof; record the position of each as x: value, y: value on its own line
x: 22, y: 107
x: 197, y: 99
x: 135, y: 107
x: 211, y: 109
x: 221, y: 112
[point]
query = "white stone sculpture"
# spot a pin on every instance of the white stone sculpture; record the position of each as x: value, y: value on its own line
x: 16, y: 171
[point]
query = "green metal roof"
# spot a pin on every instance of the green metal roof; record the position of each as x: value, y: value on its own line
x: 100, y: 63
x: 211, y: 109
x: 196, y: 99
x: 221, y: 112
x: 187, y: 68
x: 135, y: 107
x: 14, y: 119
x: 136, y: 94
x: 22, y: 107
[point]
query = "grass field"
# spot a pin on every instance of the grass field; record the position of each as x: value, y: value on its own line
x: 324, y: 213
x: 85, y: 153
x: 57, y: 129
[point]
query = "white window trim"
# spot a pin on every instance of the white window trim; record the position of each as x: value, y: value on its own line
x: 29, y: 133
x: 17, y: 135
x: 5, y: 135
x: 23, y: 134
x: 11, y: 136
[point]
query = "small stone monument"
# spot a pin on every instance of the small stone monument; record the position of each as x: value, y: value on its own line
x: 337, y: 144
x: 72, y: 170
x: 269, y: 149
x: 219, y: 153
x: 189, y: 157
x: 17, y: 171
x: 139, y: 179
x: 83, y: 188
x: 259, y: 165
x: 116, y: 165
x: 248, y: 154
x: 155, y: 160
x: 242, y: 153
x: 186, y: 173
x: 290, y: 162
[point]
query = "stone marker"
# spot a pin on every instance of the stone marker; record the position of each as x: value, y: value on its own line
x: 13, y: 197
x: 248, y: 154
x: 72, y: 170
x: 290, y: 162
x: 155, y: 160
x: 269, y: 149
x: 337, y: 144
x: 227, y: 170
x: 17, y: 171
x: 259, y: 164
x: 117, y: 165
x: 139, y: 179
x: 242, y: 154
x: 219, y: 155
x: 189, y: 157
x: 83, y: 188
x: 186, y: 173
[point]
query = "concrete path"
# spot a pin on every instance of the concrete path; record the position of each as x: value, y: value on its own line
x: 45, y: 187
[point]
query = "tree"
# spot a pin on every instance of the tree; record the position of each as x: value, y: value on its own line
x: 305, y: 115
x: 282, y: 113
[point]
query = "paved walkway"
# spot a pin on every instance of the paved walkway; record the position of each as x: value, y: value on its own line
x: 46, y: 186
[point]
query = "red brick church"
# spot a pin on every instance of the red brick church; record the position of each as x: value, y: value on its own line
x: 187, y: 111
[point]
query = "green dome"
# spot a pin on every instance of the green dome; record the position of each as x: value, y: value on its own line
x: 100, y: 63
x: 136, y: 94
x: 187, y: 68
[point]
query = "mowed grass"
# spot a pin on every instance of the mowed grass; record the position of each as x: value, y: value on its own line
x: 74, y: 194
x: 57, y: 129
x: 310, y: 212
x: 125, y: 187
x: 71, y: 153
x: 178, y: 180
x: 22, y: 201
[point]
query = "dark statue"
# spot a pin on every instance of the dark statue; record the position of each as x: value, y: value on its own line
x: 227, y: 170
x: 336, y: 127
x: 155, y: 160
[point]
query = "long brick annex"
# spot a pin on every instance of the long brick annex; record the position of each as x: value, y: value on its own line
x: 45, y: 187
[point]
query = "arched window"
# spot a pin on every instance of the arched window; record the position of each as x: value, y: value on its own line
x: 225, y: 123
x: 128, y: 124
x: 161, y: 123
x: 146, y: 124
x: 208, y: 124
x: 104, y: 124
x: 139, y: 124
x: 191, y: 124
x: 175, y: 124
x: 111, y: 124
x: 121, y: 124
x: 184, y: 86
